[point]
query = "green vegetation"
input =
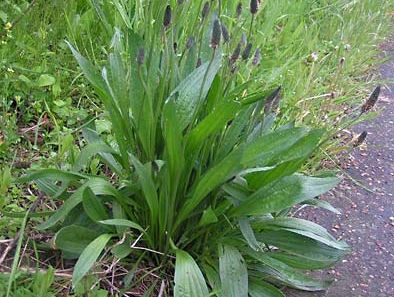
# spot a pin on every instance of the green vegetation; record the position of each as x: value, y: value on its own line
x: 180, y: 154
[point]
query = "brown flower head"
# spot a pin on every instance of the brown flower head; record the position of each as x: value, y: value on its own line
x: 371, y: 100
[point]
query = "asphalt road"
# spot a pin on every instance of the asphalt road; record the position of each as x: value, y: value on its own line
x: 367, y: 222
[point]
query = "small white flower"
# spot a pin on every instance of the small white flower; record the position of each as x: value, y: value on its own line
x: 314, y: 56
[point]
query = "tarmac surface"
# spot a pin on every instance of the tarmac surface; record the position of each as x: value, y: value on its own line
x: 367, y: 220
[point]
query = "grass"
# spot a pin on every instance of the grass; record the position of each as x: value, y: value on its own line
x: 319, y: 52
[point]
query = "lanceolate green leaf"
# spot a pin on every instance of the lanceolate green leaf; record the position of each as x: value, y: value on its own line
x: 260, y: 288
x: 88, y: 257
x: 266, y: 148
x: 312, y: 251
x: 284, y: 193
x: 326, y: 241
x: 123, y: 223
x: 266, y: 175
x: 234, y: 131
x: 300, y: 262
x: 52, y: 174
x: 94, y: 138
x: 233, y: 272
x: 98, y: 186
x: 90, y: 151
x: 248, y: 233
x: 93, y: 206
x: 62, y: 212
x: 148, y: 187
x: 208, y: 217
x: 47, y: 186
x: 286, y: 274
x: 303, y: 148
x: 288, y: 161
x: 174, y: 149
x: 91, y: 73
x: 211, y: 124
x: 214, y: 177
x: 322, y: 204
x: 189, y: 281
x: 302, y: 227
x: 188, y: 94
x: 74, y: 238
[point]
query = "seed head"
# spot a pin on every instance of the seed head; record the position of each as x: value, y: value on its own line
x: 371, y: 100
x: 246, y: 52
x: 257, y: 57
x: 167, y: 17
x: 198, y: 63
x: 190, y: 42
x: 360, y: 139
x: 216, y: 34
x: 205, y: 10
x: 254, y: 6
x: 226, y: 35
x: 239, y: 9
x: 272, y: 101
x: 234, y: 57
x: 140, y: 56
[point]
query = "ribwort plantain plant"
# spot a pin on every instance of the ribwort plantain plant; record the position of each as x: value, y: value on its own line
x: 197, y: 170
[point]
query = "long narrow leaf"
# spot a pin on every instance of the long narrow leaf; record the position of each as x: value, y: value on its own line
x: 284, y: 193
x: 187, y: 95
x: 233, y: 272
x: 88, y: 257
x: 189, y: 280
